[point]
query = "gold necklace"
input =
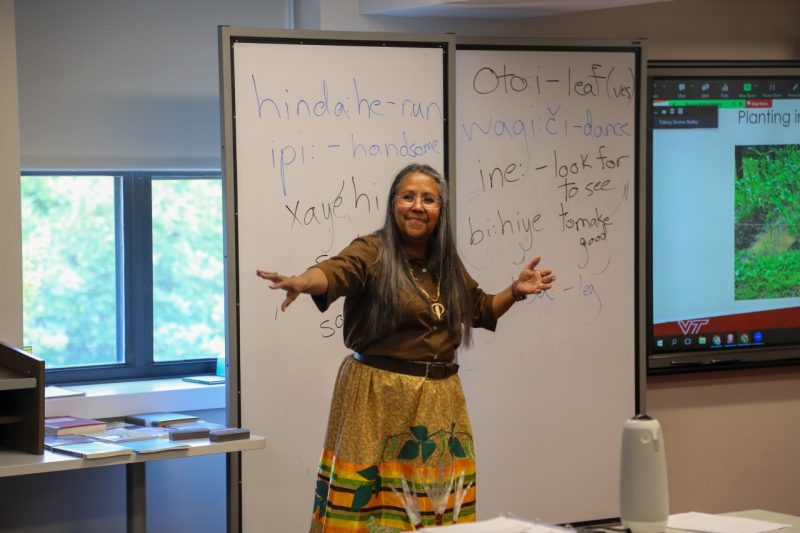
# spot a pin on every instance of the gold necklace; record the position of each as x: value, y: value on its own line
x: 436, y: 306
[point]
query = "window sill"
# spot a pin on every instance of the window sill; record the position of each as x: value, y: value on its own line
x: 110, y: 400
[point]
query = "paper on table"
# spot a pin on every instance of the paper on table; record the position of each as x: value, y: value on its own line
x: 52, y: 391
x: 501, y: 524
x: 713, y: 523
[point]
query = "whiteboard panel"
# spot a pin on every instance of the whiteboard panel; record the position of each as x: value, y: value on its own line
x: 547, y: 165
x: 320, y: 130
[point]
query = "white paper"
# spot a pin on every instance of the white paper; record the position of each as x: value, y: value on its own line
x: 501, y: 524
x: 52, y: 391
x: 714, y: 523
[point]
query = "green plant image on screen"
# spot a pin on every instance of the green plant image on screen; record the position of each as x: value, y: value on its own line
x: 767, y: 222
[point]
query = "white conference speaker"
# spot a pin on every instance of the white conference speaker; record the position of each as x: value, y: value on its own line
x: 643, y: 498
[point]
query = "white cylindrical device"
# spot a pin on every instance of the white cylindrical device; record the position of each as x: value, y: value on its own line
x: 643, y: 497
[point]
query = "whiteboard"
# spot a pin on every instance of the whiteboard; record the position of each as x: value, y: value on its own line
x: 546, y: 144
x: 317, y: 124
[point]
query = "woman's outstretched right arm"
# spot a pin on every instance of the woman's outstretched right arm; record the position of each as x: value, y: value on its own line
x: 312, y: 281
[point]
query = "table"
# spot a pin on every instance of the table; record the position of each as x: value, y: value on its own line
x: 760, y: 514
x: 16, y: 463
x: 756, y: 514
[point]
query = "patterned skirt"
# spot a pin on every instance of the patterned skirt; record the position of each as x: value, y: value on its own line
x: 398, y: 454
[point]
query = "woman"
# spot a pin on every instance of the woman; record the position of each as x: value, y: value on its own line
x: 398, y: 452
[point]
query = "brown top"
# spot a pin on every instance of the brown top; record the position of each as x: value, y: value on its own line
x: 419, y: 335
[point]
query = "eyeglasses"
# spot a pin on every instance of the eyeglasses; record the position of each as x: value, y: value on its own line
x: 408, y: 199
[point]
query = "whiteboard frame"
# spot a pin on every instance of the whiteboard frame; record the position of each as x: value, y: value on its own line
x: 228, y: 36
x: 638, y: 49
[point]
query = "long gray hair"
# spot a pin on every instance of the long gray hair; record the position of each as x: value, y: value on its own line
x: 444, y: 264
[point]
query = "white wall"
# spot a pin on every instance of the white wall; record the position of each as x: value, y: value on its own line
x: 731, y: 439
x: 677, y: 29
x: 692, y: 29
x: 10, y: 223
x: 125, y: 84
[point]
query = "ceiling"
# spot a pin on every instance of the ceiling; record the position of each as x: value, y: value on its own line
x: 489, y: 9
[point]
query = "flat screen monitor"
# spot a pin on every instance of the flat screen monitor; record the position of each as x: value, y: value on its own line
x: 724, y: 215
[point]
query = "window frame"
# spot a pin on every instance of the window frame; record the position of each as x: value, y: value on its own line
x: 134, y: 285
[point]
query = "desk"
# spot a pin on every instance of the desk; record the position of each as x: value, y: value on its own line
x: 756, y: 514
x: 759, y: 514
x: 16, y: 463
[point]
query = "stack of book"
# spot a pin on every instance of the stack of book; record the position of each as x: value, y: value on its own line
x: 142, y: 433
x: 72, y: 425
x: 160, y: 419
x: 192, y: 430
x: 52, y: 442
x: 206, y: 380
x: 130, y: 433
x: 93, y: 449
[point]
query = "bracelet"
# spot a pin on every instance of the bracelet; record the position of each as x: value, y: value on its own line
x: 518, y: 297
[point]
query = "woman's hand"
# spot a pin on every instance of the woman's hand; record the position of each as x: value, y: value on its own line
x: 532, y: 280
x: 289, y: 284
x: 312, y: 281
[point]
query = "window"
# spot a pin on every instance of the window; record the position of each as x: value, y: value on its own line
x: 123, y: 273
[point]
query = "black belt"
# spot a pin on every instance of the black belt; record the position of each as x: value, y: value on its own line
x: 412, y: 368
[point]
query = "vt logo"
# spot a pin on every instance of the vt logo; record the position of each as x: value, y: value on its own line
x: 690, y: 327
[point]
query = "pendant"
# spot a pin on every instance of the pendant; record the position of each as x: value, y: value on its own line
x: 438, y: 310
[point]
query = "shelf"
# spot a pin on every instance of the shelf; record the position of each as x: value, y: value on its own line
x: 22, y: 400
x: 10, y: 380
x: 11, y: 419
